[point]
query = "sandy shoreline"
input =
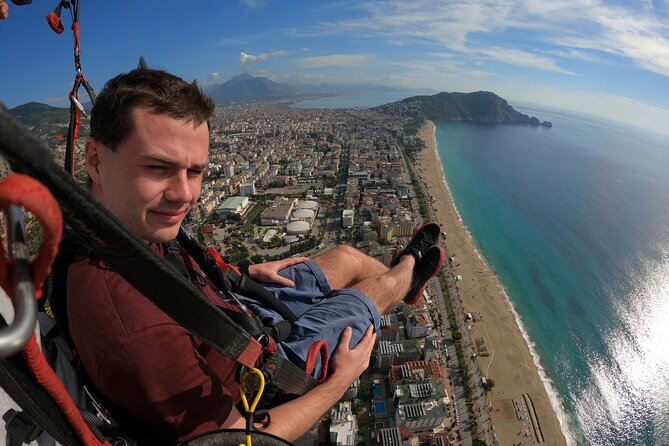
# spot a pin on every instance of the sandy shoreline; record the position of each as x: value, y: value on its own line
x: 510, y: 363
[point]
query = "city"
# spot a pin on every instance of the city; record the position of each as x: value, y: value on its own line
x: 284, y: 181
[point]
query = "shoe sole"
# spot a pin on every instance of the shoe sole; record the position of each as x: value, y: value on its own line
x: 395, y: 260
x: 417, y: 296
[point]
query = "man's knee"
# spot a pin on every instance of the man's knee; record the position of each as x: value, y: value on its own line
x: 347, y: 253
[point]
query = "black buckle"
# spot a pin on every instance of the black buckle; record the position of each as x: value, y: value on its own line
x: 21, y: 426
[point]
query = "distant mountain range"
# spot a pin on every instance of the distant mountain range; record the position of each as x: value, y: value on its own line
x: 247, y: 88
x: 482, y: 107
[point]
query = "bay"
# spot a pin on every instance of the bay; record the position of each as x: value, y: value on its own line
x: 574, y: 219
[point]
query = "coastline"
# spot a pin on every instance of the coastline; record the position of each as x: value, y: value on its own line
x: 510, y: 363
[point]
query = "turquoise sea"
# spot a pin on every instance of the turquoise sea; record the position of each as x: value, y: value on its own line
x: 575, y: 221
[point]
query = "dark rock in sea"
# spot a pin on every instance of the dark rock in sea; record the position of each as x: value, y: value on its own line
x: 534, y: 121
x: 547, y: 124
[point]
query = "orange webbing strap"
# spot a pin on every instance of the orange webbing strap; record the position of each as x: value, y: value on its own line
x: 22, y: 190
x: 220, y: 262
x: 317, y: 348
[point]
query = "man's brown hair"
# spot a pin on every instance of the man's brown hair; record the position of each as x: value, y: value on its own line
x: 161, y: 92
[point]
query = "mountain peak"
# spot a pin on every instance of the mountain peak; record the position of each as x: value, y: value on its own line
x: 247, y: 88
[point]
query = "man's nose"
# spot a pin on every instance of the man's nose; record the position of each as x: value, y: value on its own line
x: 179, y: 188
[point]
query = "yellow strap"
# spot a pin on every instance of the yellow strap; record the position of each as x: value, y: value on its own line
x: 250, y: 410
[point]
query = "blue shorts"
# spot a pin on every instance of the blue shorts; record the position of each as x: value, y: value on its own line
x: 322, y: 313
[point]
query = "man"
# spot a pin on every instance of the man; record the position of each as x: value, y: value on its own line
x: 146, y: 157
x: 4, y: 10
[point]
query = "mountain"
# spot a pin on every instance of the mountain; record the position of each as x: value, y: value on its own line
x: 34, y: 113
x: 247, y: 88
x: 483, y: 107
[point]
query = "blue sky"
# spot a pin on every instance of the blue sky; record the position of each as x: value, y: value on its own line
x: 608, y: 58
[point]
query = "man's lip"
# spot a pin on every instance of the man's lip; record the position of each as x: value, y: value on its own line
x: 170, y: 214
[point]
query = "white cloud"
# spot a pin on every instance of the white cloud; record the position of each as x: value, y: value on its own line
x: 637, y: 31
x: 214, y: 77
x: 246, y: 58
x: 522, y: 58
x: 334, y: 60
x: 571, y: 53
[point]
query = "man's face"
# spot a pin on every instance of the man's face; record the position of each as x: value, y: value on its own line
x: 155, y: 175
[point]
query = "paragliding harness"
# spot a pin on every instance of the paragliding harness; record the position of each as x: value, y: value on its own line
x: 168, y: 289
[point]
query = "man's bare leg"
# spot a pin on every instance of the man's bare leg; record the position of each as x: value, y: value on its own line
x: 390, y: 288
x: 345, y: 266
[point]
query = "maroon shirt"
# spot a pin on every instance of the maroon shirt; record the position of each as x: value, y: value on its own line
x: 141, y: 359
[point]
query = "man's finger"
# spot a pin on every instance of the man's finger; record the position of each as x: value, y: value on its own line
x: 369, y: 335
x: 285, y: 282
x: 345, y: 340
x: 296, y: 260
x: 4, y: 10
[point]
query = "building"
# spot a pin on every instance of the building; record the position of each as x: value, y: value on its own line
x: 422, y: 405
x: 308, y: 204
x: 431, y: 415
x: 303, y: 215
x: 297, y: 227
x: 229, y: 170
x: 389, y: 437
x: 247, y: 189
x: 278, y: 213
x: 369, y: 235
x: 414, y: 371
x: 386, y: 231
x: 347, y: 219
x: 233, y: 206
x: 419, y: 324
x: 344, y: 425
x: 360, y: 175
x: 404, y: 228
x: 390, y: 353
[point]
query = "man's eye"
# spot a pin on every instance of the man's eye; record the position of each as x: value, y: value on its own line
x: 156, y: 168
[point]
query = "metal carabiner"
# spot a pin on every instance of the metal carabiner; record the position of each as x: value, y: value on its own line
x: 16, y: 335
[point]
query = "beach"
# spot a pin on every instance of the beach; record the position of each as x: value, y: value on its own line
x: 505, y: 356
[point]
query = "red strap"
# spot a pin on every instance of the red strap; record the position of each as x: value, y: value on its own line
x: 22, y: 190
x: 54, y: 23
x: 75, y: 32
x: 249, y: 357
x: 220, y: 262
x: 48, y: 379
x: 317, y: 347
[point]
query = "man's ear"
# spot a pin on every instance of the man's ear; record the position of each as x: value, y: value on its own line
x: 92, y: 156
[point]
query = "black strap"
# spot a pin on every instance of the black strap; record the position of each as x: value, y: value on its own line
x: 20, y: 385
x: 241, y: 284
x: 20, y: 428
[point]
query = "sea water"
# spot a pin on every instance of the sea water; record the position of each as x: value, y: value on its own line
x: 574, y: 219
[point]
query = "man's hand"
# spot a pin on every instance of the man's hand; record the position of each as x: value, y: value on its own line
x: 4, y: 10
x: 348, y: 364
x: 292, y: 419
x: 268, y: 272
